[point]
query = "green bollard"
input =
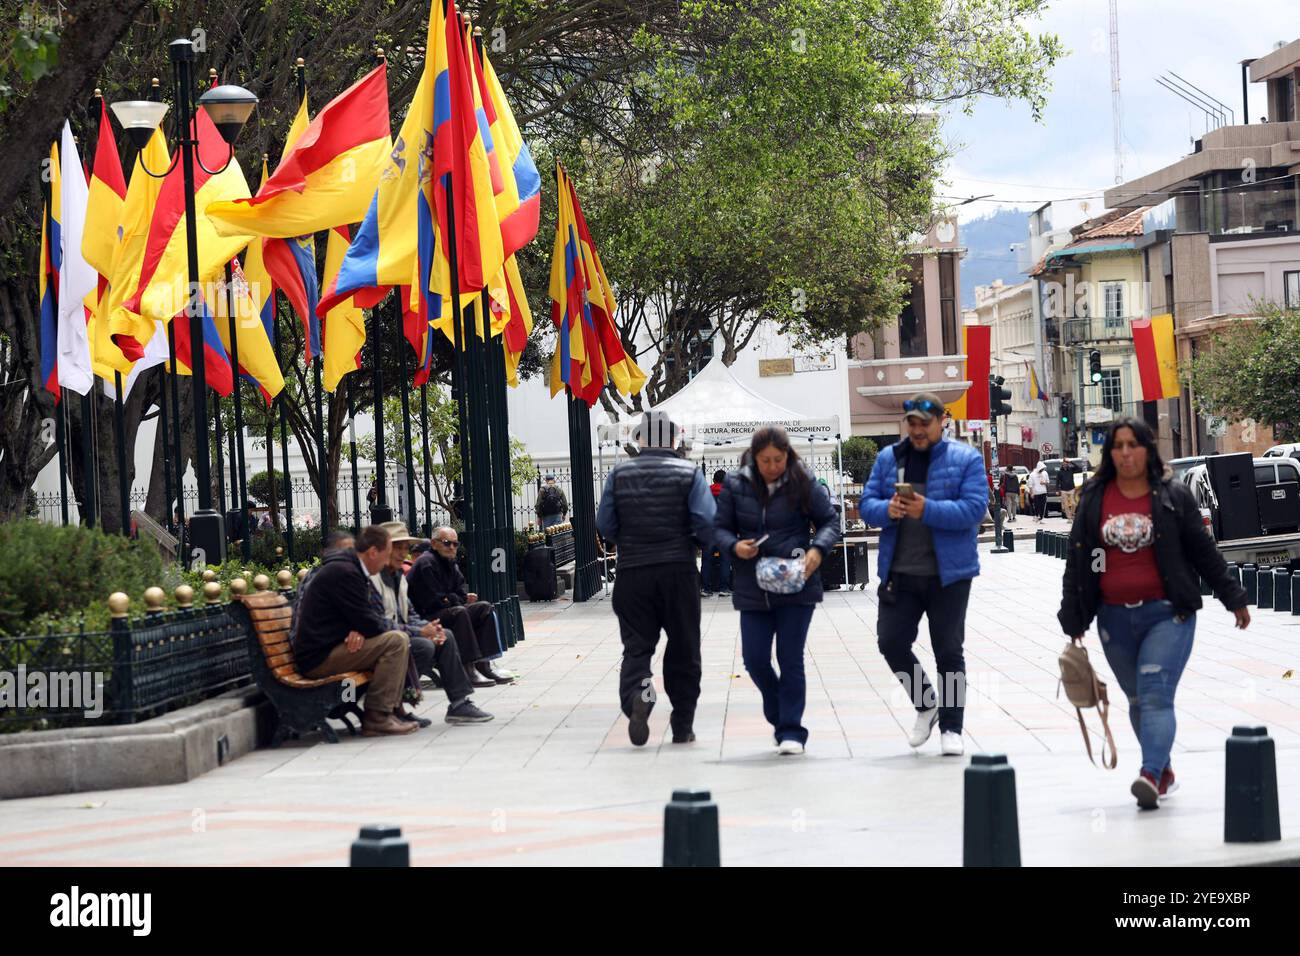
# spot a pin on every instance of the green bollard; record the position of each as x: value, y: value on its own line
x: 1249, y: 581
x: 381, y: 845
x: 990, y: 829
x: 691, y: 830
x: 1250, y: 811
x: 1009, y: 540
x: 1281, y: 590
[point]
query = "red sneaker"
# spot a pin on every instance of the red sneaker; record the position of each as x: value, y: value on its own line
x: 1147, y: 791
x: 1167, y: 782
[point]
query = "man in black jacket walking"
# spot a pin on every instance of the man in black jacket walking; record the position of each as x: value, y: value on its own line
x: 658, y: 509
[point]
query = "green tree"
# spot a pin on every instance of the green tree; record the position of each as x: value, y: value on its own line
x: 444, y: 451
x: 1251, y: 370
x: 859, y: 456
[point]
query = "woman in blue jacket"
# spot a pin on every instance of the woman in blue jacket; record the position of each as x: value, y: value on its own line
x: 773, y: 500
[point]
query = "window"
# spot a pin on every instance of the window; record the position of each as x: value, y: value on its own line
x: 948, y: 304
x: 1112, y: 294
x: 1291, y: 288
x: 1112, y: 396
x: 911, y: 321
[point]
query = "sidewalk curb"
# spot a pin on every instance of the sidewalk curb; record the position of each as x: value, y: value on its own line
x: 174, y: 748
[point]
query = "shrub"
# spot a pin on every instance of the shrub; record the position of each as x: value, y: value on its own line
x: 859, y: 455
x: 259, y: 487
x: 50, y: 573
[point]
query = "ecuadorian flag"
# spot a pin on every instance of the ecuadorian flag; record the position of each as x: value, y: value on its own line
x: 51, y: 249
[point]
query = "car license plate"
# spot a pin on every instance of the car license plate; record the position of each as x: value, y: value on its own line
x: 1271, y: 558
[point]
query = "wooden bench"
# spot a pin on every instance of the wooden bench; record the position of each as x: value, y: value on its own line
x: 302, y: 704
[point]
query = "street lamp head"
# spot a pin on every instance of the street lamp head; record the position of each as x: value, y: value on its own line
x: 229, y: 108
x: 139, y: 118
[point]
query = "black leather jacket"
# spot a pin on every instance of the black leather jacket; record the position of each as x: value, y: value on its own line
x: 1183, y: 549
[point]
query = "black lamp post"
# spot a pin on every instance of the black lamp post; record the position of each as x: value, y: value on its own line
x: 229, y: 108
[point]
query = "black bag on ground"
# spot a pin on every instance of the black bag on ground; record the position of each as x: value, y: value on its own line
x: 539, y: 574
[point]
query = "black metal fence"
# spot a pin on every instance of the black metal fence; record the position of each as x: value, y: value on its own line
x: 140, y: 668
x: 306, y: 508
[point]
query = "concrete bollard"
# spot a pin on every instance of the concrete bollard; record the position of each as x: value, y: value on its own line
x: 1009, y: 540
x: 380, y: 844
x: 1205, y: 585
x: 1250, y: 812
x: 1281, y: 590
x: 1295, y: 593
x: 1249, y: 581
x: 990, y: 828
x: 1264, y: 589
x: 1062, y: 545
x: 691, y: 830
x: 1234, y: 571
x: 1038, y: 541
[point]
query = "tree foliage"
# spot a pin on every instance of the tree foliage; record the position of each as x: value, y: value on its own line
x: 1252, y: 369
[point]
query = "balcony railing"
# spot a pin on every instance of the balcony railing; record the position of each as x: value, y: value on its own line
x: 1096, y: 328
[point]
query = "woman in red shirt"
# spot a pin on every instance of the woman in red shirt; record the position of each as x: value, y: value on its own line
x: 1136, y: 549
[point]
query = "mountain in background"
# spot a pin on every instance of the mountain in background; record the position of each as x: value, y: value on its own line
x: 988, y: 255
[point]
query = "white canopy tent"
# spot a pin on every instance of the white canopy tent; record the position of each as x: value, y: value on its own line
x: 715, y: 409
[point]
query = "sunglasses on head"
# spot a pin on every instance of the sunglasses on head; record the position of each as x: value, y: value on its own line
x: 922, y: 405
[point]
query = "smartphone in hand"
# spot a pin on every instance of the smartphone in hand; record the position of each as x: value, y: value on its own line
x: 758, y: 541
x: 904, y: 489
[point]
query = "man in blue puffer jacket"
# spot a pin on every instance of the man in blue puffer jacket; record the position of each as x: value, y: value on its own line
x: 928, y: 494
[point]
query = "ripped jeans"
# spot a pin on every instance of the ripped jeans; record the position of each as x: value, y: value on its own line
x: 1147, y: 648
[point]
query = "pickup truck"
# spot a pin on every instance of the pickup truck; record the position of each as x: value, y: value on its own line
x: 1277, y: 495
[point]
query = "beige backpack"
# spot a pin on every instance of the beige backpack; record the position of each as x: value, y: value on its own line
x: 1083, y: 689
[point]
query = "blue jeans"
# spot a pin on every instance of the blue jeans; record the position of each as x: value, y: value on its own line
x: 717, y: 570
x: 783, y: 695
x: 548, y: 520
x: 1147, y: 648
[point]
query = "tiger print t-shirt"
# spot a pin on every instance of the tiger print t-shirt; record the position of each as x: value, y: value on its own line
x: 1128, y: 535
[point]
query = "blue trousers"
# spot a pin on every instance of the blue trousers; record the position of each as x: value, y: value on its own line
x: 784, y: 693
x: 1147, y: 648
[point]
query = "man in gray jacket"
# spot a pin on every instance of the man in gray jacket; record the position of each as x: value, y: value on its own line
x: 658, y: 509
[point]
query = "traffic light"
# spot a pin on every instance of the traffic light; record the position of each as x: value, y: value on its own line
x: 999, y: 397
x: 1069, y: 427
x: 1094, y: 366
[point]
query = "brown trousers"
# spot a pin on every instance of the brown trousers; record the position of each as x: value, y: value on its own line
x: 386, y: 654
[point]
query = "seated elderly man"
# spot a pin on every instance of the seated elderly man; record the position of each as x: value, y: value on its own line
x: 440, y: 593
x: 429, y: 645
x: 338, y: 630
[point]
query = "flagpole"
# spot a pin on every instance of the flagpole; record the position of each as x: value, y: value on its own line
x: 352, y: 455
x: 284, y: 444
x: 379, y: 511
x: 119, y: 434
x: 424, y: 445
x: 238, y: 453
x: 219, y: 438
x: 406, y: 427
x: 318, y: 420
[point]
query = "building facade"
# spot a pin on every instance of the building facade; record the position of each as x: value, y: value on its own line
x: 918, y: 350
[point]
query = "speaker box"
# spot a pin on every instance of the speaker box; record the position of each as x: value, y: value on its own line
x: 1233, y: 480
x: 1279, y: 507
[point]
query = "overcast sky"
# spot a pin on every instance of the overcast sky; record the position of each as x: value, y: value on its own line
x: 1001, y: 150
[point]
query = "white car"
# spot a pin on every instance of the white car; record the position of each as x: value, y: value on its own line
x: 1284, y: 451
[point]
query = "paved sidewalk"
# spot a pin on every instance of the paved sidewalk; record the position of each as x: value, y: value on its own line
x: 553, y: 780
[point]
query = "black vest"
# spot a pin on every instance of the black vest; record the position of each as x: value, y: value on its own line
x: 652, y: 500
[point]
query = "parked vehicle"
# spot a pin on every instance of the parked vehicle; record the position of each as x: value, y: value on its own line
x: 1275, y: 511
x: 1284, y: 451
x: 1181, y: 466
x: 1053, y: 466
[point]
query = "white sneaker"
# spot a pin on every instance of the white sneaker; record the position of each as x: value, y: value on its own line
x: 925, y: 721
x: 951, y: 744
x: 789, y: 748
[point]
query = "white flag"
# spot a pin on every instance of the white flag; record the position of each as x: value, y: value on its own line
x: 155, y: 353
x: 77, y: 278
